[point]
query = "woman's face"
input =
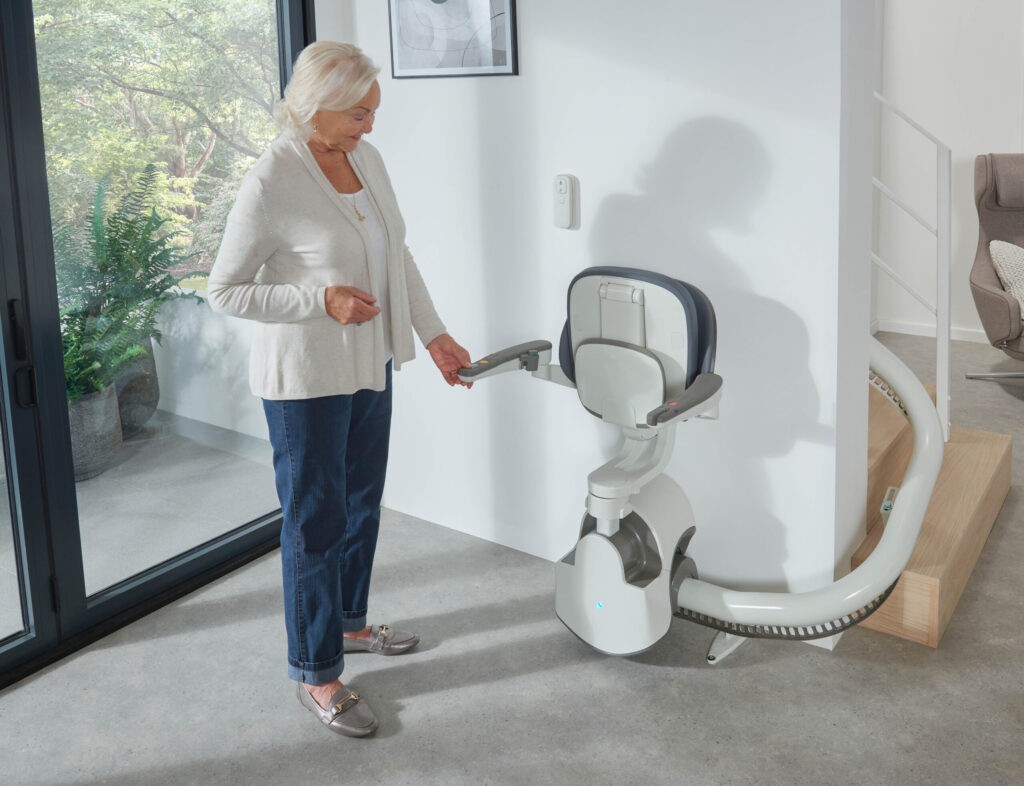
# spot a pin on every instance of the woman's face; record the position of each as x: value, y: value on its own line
x: 341, y: 130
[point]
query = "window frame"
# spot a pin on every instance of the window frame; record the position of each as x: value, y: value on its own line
x: 60, y: 617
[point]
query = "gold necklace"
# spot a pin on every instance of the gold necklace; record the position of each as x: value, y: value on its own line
x: 360, y: 215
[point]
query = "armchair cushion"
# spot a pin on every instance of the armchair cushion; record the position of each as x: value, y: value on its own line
x: 1008, y: 260
x: 1009, y: 180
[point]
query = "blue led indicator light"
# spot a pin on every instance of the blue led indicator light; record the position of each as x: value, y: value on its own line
x: 600, y: 605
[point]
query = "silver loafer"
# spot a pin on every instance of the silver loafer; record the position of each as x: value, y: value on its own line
x: 384, y: 640
x: 345, y: 714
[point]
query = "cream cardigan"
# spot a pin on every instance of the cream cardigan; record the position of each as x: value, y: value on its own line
x: 289, y: 222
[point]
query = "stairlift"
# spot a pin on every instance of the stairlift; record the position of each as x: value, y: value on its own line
x: 639, y: 348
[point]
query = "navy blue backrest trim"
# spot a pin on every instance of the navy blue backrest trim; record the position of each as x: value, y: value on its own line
x: 708, y: 328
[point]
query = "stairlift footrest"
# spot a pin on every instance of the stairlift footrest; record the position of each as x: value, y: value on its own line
x: 530, y: 356
x: 698, y: 397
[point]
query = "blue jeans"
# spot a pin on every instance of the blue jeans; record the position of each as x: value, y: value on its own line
x: 330, y: 457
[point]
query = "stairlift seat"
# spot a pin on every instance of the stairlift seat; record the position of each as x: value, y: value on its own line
x: 619, y: 382
x: 633, y: 340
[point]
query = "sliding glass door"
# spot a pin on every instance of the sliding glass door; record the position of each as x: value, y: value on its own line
x: 13, y: 623
x: 12, y: 619
x: 137, y: 120
x: 149, y: 128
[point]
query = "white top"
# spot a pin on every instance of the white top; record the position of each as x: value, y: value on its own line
x: 290, y: 226
x: 378, y: 257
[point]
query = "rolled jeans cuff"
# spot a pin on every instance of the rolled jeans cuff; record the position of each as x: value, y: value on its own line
x: 353, y: 621
x: 317, y: 673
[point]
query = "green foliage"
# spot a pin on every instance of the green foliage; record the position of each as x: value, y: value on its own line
x: 187, y: 85
x: 180, y: 91
x: 112, y: 280
x: 96, y: 349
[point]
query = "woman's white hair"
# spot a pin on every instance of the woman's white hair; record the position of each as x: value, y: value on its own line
x: 326, y: 75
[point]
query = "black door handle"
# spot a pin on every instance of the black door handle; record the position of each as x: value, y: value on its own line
x: 25, y: 387
x: 16, y: 315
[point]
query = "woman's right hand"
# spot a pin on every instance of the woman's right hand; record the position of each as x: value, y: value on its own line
x: 350, y: 306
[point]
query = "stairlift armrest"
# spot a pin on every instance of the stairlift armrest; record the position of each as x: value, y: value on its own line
x: 551, y: 372
x: 529, y: 356
x: 699, y: 397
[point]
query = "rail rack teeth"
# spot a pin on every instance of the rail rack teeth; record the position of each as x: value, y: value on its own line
x: 795, y: 633
x: 886, y: 390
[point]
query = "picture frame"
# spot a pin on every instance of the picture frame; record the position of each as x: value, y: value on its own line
x: 439, y: 38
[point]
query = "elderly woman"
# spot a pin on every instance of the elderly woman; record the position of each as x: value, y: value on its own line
x: 314, y: 249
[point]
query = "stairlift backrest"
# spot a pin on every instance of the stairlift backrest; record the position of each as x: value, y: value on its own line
x: 634, y: 342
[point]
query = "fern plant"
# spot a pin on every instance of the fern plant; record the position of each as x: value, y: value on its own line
x: 112, y: 281
x: 96, y: 349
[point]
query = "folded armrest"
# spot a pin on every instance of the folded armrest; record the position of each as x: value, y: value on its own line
x: 529, y: 356
x: 697, y: 398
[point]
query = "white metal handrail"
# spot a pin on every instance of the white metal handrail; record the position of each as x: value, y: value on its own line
x: 943, y: 242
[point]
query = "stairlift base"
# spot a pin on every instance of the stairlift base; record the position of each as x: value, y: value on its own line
x: 616, y: 592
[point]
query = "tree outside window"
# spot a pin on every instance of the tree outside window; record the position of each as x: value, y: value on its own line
x: 187, y: 86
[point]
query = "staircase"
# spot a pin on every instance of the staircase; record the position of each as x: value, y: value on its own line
x: 972, y: 485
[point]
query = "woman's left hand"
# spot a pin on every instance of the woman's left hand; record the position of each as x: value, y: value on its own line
x: 449, y: 358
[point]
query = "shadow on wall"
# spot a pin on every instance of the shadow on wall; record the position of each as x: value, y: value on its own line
x: 710, y: 175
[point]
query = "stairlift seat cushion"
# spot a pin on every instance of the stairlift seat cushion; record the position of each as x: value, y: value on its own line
x: 1008, y: 260
x: 618, y: 382
x: 701, y: 325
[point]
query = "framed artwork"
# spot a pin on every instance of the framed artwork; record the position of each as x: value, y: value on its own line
x: 452, y: 38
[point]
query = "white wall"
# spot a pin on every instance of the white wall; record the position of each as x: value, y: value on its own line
x: 860, y: 61
x: 707, y: 139
x: 956, y: 68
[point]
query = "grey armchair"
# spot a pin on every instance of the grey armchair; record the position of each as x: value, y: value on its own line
x: 999, y: 195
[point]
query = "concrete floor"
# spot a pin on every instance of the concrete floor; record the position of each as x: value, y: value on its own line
x: 177, y: 484
x: 499, y: 692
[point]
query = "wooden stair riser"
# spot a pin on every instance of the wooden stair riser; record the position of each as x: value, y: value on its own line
x: 911, y: 612
x: 969, y: 493
x: 972, y: 540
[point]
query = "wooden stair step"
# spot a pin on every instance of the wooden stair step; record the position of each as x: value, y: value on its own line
x: 969, y: 494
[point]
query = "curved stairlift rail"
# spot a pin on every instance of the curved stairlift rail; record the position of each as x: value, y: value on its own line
x: 851, y: 599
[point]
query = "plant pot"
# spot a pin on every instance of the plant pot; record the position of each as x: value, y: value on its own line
x: 95, y: 432
x: 138, y: 391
